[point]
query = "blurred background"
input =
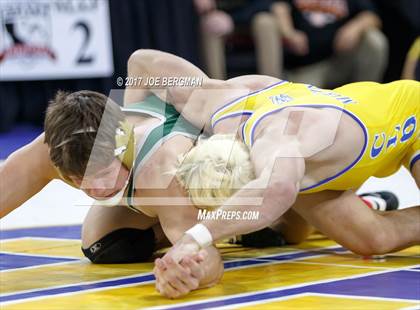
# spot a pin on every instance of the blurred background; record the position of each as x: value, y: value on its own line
x: 47, y: 45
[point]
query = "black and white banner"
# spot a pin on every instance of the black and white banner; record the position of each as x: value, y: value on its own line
x: 54, y: 39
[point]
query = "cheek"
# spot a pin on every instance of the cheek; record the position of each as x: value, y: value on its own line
x: 123, y: 177
x: 95, y: 184
x: 85, y: 183
x: 116, y: 179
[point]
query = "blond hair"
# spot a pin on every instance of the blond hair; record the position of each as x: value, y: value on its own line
x: 215, y: 169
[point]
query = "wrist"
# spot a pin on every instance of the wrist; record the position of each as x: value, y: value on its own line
x: 200, y: 235
x: 190, y: 243
x: 184, y: 246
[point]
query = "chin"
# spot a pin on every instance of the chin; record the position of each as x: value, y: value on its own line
x: 102, y: 198
x: 98, y: 198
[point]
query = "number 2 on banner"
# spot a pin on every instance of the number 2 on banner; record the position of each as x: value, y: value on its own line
x: 82, y: 57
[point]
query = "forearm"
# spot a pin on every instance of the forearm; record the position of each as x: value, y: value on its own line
x: 268, y: 205
x: 12, y: 197
x: 193, y: 100
x: 7, y: 200
x: 138, y: 72
x: 136, y: 89
x: 284, y: 19
x: 145, y: 64
x: 365, y: 21
x: 279, y: 167
x: 213, y: 268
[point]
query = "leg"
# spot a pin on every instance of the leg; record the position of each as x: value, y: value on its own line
x: 213, y: 44
x: 290, y: 228
x: 119, y: 235
x: 370, y: 57
x: 333, y: 77
x: 343, y: 217
x: 293, y: 227
x: 315, y: 74
x: 267, y: 44
x: 366, y: 62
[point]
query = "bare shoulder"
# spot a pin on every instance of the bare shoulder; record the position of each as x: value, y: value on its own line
x: 156, y: 181
x: 159, y: 169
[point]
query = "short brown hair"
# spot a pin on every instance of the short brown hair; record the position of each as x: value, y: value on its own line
x: 71, y: 129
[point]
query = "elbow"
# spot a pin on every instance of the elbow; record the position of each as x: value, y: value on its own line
x: 376, y: 21
x: 283, y: 194
x: 371, y: 20
x: 373, y: 244
x: 280, y: 8
x: 141, y: 57
x: 135, y: 57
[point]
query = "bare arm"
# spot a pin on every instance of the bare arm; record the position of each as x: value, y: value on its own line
x: 365, y: 20
x: 411, y: 61
x: 284, y: 19
x: 197, y: 103
x: 175, y: 220
x: 349, y: 35
x: 145, y: 63
x: 23, y: 174
x: 277, y: 185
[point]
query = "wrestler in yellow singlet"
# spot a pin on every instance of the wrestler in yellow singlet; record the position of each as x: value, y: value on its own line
x: 389, y: 115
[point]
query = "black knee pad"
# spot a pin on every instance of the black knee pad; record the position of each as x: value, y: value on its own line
x: 125, y: 245
x: 263, y: 238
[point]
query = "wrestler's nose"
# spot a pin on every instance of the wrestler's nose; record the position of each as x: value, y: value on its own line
x: 100, y: 188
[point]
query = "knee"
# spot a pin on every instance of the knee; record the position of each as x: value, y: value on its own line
x: 376, y: 42
x: 125, y: 245
x: 217, y: 23
x: 375, y: 244
x: 264, y: 21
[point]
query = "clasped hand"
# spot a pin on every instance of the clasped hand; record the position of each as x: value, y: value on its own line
x: 180, y: 270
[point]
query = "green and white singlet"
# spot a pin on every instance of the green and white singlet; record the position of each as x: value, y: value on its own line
x: 171, y: 124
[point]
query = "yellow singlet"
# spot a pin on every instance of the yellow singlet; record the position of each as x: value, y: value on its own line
x: 388, y: 114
